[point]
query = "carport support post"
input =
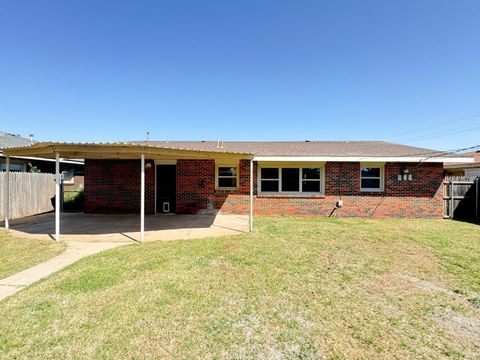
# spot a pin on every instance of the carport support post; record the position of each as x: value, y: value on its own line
x: 6, y: 192
x: 57, y: 196
x: 142, y: 198
x: 250, y: 219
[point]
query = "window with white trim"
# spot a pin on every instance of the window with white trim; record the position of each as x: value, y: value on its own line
x: 291, y: 180
x: 371, y: 177
x: 270, y: 179
x: 311, y: 180
x: 227, y: 177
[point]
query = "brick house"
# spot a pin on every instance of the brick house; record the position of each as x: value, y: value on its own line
x: 365, y: 179
x: 322, y: 178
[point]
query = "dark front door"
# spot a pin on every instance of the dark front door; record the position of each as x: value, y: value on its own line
x: 166, y: 188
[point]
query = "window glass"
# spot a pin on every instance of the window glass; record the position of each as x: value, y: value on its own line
x: 290, y: 179
x: 370, y: 183
x: 227, y: 182
x: 311, y: 186
x: 270, y: 185
x: 371, y: 178
x: 370, y: 172
x: 311, y: 173
x: 227, y: 171
x: 227, y: 177
x: 269, y: 173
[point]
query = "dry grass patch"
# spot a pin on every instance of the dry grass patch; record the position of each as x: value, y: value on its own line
x: 296, y: 288
x: 17, y: 253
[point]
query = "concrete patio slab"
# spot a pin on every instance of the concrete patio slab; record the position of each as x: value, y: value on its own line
x: 120, y: 228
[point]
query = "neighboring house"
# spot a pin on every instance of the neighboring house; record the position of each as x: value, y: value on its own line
x: 72, y: 169
x: 324, y: 178
x: 465, y: 169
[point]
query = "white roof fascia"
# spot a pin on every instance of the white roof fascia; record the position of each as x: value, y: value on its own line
x: 366, y: 159
x: 64, y: 161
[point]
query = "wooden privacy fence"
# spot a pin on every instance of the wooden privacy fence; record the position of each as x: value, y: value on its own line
x: 30, y: 193
x: 461, y: 197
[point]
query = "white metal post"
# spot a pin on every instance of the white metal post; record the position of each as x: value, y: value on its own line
x: 57, y: 196
x: 6, y: 192
x: 251, y: 197
x: 142, y: 198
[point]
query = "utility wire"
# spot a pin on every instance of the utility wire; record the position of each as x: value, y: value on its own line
x: 437, y: 125
x: 445, y: 133
x: 448, y: 152
x: 456, y: 151
x: 437, y: 153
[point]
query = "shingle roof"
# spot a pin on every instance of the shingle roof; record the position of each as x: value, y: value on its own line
x: 300, y: 148
x: 10, y: 140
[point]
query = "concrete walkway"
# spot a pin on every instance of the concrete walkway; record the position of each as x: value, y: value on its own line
x: 74, y: 252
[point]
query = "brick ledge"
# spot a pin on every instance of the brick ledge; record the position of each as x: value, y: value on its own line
x: 289, y: 196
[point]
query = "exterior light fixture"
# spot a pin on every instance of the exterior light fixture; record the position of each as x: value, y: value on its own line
x: 405, y: 175
x: 148, y: 166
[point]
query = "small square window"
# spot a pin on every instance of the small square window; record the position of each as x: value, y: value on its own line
x: 371, y: 178
x: 227, y: 177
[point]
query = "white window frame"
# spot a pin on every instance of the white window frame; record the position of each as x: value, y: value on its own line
x: 296, y: 165
x: 217, y: 176
x: 380, y: 166
x: 278, y: 180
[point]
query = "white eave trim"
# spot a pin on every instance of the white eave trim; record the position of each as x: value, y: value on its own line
x: 366, y: 159
x: 62, y: 160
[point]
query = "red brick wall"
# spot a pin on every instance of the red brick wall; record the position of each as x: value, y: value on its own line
x: 114, y: 186
x: 196, y: 188
x: 420, y: 197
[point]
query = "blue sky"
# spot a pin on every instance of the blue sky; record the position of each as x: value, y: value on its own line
x: 405, y: 71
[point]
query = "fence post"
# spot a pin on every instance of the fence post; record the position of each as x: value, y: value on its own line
x: 452, y: 201
x: 62, y: 194
x: 477, y: 195
x: 6, y: 194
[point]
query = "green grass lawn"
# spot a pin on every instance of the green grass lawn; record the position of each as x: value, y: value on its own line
x: 17, y: 253
x: 296, y: 288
